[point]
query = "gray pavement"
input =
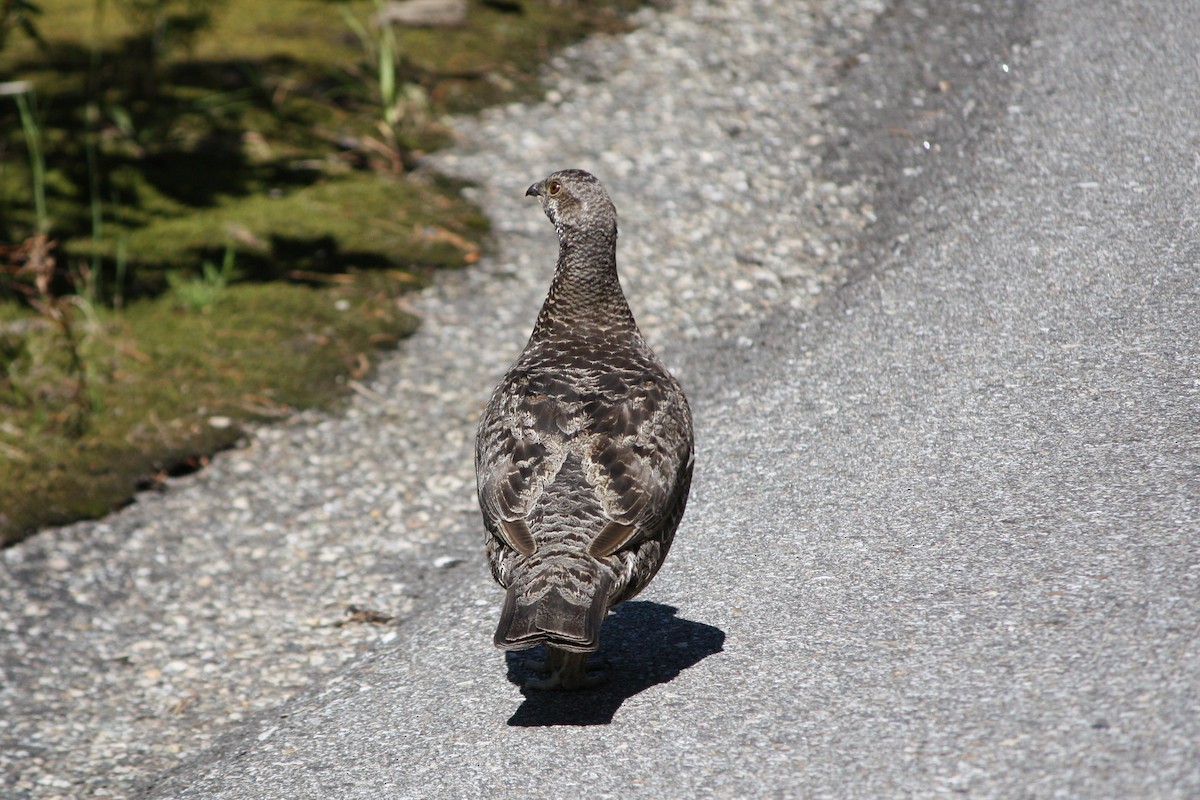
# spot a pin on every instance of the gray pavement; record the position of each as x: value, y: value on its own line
x: 944, y: 537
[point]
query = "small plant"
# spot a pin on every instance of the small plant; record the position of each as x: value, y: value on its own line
x: 397, y: 100
x: 197, y: 294
x: 63, y: 351
x: 22, y: 92
x: 35, y: 267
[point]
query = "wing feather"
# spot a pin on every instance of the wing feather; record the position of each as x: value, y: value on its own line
x: 642, y: 447
x: 634, y: 428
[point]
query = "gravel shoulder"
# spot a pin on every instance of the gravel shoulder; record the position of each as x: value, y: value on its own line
x: 936, y: 311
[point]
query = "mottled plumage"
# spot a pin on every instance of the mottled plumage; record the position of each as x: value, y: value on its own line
x: 584, y: 452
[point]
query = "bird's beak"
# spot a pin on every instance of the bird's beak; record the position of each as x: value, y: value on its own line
x: 535, y: 190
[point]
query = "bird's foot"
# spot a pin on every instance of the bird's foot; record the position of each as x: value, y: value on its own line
x: 566, y: 670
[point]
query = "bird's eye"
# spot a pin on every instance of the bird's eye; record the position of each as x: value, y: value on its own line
x: 555, y: 187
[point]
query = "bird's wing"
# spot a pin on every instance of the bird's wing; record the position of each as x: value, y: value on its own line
x: 641, y: 461
x: 519, y: 448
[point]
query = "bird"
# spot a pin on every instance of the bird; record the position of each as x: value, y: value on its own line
x: 583, y: 454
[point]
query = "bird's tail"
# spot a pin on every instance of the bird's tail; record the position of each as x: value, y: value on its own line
x: 562, y: 613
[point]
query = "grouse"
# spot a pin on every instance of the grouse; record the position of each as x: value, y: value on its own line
x: 584, y: 453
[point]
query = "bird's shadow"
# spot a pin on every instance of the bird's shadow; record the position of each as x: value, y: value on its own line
x: 643, y: 644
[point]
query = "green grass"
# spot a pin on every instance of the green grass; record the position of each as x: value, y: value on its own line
x: 231, y: 219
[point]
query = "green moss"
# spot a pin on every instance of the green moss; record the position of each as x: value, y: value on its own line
x: 354, y: 222
x: 158, y: 377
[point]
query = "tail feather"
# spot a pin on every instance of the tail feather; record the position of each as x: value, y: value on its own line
x: 569, y: 623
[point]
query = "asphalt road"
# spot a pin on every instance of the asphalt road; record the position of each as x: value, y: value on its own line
x: 945, y: 532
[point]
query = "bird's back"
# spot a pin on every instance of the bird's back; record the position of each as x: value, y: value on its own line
x: 585, y: 468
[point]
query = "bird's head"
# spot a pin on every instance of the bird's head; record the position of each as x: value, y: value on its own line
x: 574, y: 199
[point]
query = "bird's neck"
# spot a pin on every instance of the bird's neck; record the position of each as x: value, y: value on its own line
x: 585, y: 292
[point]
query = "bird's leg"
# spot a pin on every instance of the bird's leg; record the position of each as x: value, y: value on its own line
x: 536, y: 664
x: 543, y: 664
x: 567, y: 669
